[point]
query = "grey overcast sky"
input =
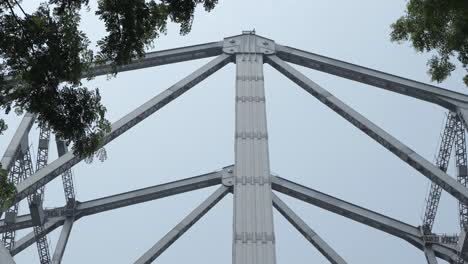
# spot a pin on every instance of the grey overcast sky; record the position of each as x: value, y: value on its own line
x: 309, y: 143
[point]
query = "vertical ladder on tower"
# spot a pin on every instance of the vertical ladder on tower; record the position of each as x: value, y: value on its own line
x: 67, y: 176
x: 15, y: 176
x: 462, y: 177
x: 462, y: 173
x: 36, y: 199
x: 69, y: 190
x: 442, y: 161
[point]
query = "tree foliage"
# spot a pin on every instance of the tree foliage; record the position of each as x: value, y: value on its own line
x: 440, y: 26
x: 44, y: 55
x: 7, y: 190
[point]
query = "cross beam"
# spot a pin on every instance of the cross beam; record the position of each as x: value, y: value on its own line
x: 359, y: 214
x: 394, y: 227
x: 385, y: 139
x: 322, y: 246
x: 430, y: 93
x: 125, y: 199
x: 162, y: 57
x: 183, y: 226
x: 65, y: 162
x: 29, y: 239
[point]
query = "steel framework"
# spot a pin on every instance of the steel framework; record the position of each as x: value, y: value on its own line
x: 249, y: 179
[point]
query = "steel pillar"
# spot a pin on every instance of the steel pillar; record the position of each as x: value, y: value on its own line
x: 254, y: 238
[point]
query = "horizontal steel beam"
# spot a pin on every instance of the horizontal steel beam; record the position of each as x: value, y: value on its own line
x: 21, y: 222
x: 406, y: 154
x: 125, y: 199
x: 183, y: 226
x: 359, y: 214
x: 446, y: 98
x: 45, y: 175
x: 162, y: 57
x: 322, y: 246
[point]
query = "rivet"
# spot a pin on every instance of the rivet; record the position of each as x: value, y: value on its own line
x: 265, y: 43
x: 232, y: 41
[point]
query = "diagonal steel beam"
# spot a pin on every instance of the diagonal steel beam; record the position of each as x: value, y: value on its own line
x: 18, y: 142
x: 362, y: 215
x: 433, y: 173
x: 125, y: 199
x: 183, y: 226
x: 65, y: 162
x: 430, y: 255
x: 341, y: 207
x: 446, y: 98
x: 5, y: 257
x: 63, y: 240
x: 162, y: 57
x: 322, y: 246
x: 29, y: 239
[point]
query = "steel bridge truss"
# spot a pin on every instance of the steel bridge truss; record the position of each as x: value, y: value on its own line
x: 249, y: 179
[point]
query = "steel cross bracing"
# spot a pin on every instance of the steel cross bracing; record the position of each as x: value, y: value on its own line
x: 442, y: 161
x: 249, y: 178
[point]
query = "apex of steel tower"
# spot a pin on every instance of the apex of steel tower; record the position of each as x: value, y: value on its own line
x: 248, y: 42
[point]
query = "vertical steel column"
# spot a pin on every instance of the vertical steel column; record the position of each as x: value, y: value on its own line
x: 254, y: 239
x: 462, y: 171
